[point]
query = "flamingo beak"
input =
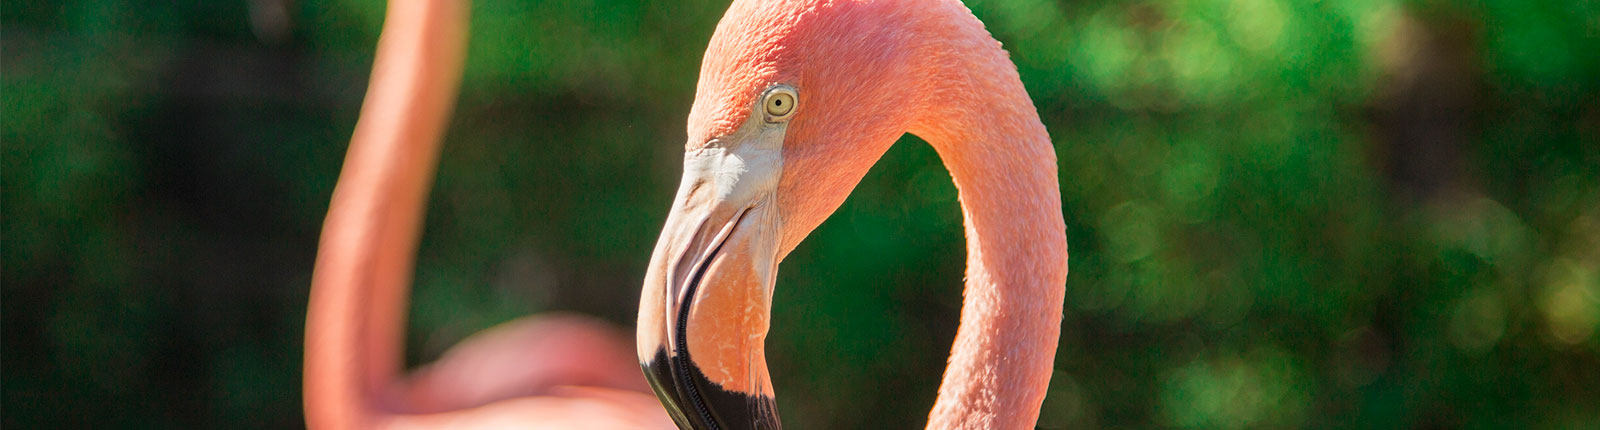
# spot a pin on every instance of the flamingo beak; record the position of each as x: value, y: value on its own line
x: 703, y: 313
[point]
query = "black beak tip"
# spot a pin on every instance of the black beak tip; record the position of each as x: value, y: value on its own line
x: 695, y: 403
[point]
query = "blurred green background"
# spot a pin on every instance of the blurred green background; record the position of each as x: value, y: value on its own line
x: 1333, y: 214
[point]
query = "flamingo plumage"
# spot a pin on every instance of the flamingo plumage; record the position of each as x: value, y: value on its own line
x: 796, y: 100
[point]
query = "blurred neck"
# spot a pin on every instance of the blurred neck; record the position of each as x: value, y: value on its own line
x: 356, y: 316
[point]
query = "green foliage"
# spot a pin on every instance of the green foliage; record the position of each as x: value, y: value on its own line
x: 1336, y: 214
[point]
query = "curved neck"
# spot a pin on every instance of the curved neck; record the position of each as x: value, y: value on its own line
x: 989, y: 136
x: 356, y: 316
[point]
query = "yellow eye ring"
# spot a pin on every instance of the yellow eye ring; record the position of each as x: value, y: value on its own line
x: 779, y: 104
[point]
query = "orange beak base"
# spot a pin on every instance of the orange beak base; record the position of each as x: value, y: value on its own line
x: 686, y: 309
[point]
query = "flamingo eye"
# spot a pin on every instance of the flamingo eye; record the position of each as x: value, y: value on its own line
x: 779, y: 104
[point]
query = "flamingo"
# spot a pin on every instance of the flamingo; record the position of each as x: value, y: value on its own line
x: 542, y: 372
x: 796, y: 100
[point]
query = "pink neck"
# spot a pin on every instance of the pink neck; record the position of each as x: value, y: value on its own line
x: 355, y: 321
x: 986, y: 130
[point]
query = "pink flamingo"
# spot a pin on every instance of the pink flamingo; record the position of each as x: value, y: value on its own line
x: 548, y: 372
x: 796, y: 100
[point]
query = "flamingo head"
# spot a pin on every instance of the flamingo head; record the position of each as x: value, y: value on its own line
x: 793, y: 105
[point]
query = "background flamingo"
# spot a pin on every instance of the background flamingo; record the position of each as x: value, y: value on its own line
x: 549, y: 372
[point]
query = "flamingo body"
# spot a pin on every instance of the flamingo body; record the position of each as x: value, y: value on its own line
x: 543, y: 372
